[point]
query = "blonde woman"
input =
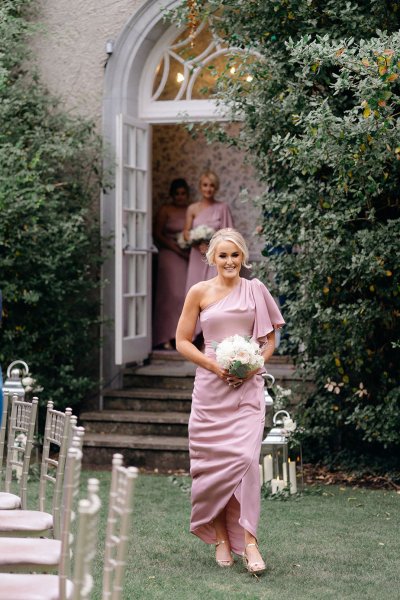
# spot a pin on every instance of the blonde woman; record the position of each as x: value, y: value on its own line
x: 208, y: 211
x: 227, y: 417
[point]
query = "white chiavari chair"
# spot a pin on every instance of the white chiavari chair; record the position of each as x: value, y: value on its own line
x: 118, y: 527
x: 34, y: 523
x: 62, y: 586
x: 3, y: 429
x: 56, y: 439
x: 21, y: 555
x: 21, y: 426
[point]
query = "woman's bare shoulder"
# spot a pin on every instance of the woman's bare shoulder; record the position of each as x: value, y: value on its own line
x: 199, y: 289
x: 194, y: 208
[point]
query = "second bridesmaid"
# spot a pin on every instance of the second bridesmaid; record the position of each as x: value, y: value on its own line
x: 172, y: 265
x: 211, y: 212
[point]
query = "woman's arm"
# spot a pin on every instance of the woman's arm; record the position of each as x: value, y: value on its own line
x: 269, y: 347
x: 185, y: 332
x: 188, y: 222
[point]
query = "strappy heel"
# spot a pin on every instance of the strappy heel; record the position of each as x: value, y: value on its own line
x: 223, y: 563
x: 256, y: 567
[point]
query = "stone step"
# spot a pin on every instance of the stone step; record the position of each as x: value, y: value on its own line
x: 152, y: 452
x: 172, y: 355
x: 149, y: 399
x: 162, y: 375
x: 167, y: 374
x: 132, y: 422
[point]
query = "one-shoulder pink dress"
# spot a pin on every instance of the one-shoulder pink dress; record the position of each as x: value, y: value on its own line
x: 171, y: 280
x: 226, y: 424
x: 216, y: 216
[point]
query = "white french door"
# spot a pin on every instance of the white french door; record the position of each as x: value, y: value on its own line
x: 133, y: 242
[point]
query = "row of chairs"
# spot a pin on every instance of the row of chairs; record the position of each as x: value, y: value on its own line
x: 36, y: 545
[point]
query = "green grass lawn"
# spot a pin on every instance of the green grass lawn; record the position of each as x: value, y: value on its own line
x: 340, y: 544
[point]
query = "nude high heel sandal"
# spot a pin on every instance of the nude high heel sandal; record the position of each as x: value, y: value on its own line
x: 255, y: 568
x: 223, y: 563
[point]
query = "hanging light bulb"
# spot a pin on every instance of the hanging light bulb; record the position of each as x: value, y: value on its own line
x: 249, y: 78
x: 232, y: 70
x: 180, y: 77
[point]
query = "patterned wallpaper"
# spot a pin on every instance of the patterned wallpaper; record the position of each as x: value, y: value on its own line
x: 177, y: 154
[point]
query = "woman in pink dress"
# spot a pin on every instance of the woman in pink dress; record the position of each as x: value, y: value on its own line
x: 172, y: 265
x: 206, y: 212
x: 227, y: 417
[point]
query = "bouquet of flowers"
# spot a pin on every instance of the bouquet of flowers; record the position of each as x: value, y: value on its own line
x: 201, y: 233
x: 239, y: 355
x: 182, y: 243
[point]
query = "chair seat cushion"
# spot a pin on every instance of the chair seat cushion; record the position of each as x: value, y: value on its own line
x: 29, y: 521
x: 9, y: 501
x: 29, y: 552
x: 32, y: 587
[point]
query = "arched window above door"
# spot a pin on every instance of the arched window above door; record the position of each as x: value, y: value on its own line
x: 180, y: 75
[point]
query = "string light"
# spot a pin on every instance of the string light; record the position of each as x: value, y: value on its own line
x: 193, y: 18
x: 180, y: 77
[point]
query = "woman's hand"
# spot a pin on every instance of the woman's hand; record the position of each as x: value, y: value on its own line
x: 179, y: 251
x: 203, y: 247
x: 235, y: 382
x: 228, y: 378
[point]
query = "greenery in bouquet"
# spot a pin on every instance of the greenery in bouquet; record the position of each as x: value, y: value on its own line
x: 239, y: 355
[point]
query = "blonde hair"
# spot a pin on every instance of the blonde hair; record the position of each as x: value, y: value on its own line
x: 213, y: 177
x: 228, y: 235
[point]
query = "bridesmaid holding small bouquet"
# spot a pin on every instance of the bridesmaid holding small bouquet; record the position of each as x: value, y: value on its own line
x: 212, y: 213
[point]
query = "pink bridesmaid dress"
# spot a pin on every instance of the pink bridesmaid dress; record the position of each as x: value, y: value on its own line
x: 216, y: 216
x: 171, y: 278
x: 226, y: 424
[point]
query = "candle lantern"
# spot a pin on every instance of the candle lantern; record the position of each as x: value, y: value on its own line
x: 281, y: 457
x: 13, y: 383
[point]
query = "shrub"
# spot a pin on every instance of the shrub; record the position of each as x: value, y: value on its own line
x: 49, y: 236
x: 321, y: 124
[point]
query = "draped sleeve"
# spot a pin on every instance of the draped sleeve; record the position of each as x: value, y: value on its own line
x: 268, y: 316
x: 226, y: 216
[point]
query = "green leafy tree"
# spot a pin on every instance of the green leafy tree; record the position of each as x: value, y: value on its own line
x: 49, y: 236
x: 320, y: 115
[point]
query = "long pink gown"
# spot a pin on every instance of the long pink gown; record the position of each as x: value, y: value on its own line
x: 226, y: 424
x: 171, y: 279
x: 216, y: 216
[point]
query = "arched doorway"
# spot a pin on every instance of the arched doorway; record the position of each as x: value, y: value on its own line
x: 154, y: 77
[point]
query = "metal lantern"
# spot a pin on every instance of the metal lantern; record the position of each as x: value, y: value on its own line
x: 13, y: 383
x: 279, y: 462
x: 269, y: 401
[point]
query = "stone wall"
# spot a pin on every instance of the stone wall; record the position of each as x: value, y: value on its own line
x: 70, y: 48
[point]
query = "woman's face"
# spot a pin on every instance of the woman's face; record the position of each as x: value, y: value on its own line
x: 181, y: 197
x: 228, y: 259
x: 207, y: 188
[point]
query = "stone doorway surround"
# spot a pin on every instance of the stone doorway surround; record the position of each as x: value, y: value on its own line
x: 121, y: 96
x: 127, y: 84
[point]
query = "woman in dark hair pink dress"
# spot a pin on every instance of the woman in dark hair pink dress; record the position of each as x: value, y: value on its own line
x: 172, y: 265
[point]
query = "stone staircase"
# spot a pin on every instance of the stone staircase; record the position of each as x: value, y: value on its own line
x: 147, y: 420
